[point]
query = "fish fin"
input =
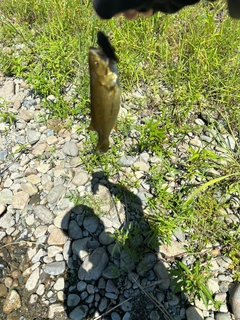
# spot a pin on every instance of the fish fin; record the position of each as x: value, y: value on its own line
x: 115, y: 128
x: 105, y: 44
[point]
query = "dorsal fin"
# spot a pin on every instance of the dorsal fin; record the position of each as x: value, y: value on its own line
x: 104, y: 43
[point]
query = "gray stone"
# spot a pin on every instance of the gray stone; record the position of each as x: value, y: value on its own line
x: 32, y: 280
x: 103, y: 304
x: 3, y: 155
x: 56, y: 192
x: 73, y: 300
x: 54, y: 310
x: 111, y: 271
x: 36, y: 258
x: 127, y: 161
x: 212, y: 285
x: 234, y: 300
x: 29, y: 103
x: 110, y: 287
x: 43, y: 214
x: 6, y: 196
x: 55, y: 268
x: 70, y: 149
x: 80, y: 178
x: 20, y: 200
x: 230, y: 142
x: 154, y: 315
x: 74, y: 231
x: 33, y: 136
x: 107, y: 236
x: 146, y: 263
x: 81, y: 286
x: 80, y: 247
x: 79, y: 313
x: 7, y: 220
x: 194, y: 313
x: 126, y: 261
x: 127, y: 316
x: 29, y: 188
x: 90, y: 223
x: 162, y: 275
x: 115, y: 316
x: 93, y: 265
x: 222, y: 316
x: 7, y: 91
x: 61, y: 220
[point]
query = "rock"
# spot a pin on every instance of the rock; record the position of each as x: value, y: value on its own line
x: 3, y: 290
x: 194, y: 313
x: 32, y: 280
x: 126, y: 261
x: 93, y: 265
x: 73, y: 300
x: 6, y: 196
x: 127, y: 161
x: 90, y: 223
x: 74, y: 231
x: 57, y: 237
x: 212, y: 285
x: 55, y: 309
x: 80, y: 178
x: 26, y: 115
x: 103, y: 304
x: 162, y: 275
x: 107, y: 236
x: 111, y: 271
x: 230, y: 142
x: 7, y: 220
x: 43, y: 214
x: 7, y: 91
x: 222, y: 316
x: 33, y: 136
x: 80, y: 247
x: 70, y: 149
x: 29, y: 188
x: 55, y: 268
x: 56, y: 192
x: 2, y: 209
x: 115, y: 316
x: 79, y: 313
x: 61, y: 220
x: 12, y: 302
x: 146, y: 263
x: 234, y: 300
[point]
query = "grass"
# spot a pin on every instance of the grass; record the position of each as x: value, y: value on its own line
x: 186, y: 66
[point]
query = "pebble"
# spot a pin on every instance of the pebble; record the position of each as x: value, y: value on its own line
x: 194, y: 313
x: 55, y: 268
x: 93, y: 265
x: 12, y: 302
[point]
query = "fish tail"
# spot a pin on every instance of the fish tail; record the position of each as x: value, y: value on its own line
x: 102, y: 146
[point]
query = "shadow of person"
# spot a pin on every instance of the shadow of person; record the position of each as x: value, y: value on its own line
x: 113, y: 271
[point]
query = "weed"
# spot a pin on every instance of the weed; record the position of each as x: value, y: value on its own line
x: 192, y: 280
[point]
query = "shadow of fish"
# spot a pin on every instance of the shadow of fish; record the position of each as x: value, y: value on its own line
x: 104, y: 90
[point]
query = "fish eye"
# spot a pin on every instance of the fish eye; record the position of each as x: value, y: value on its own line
x: 96, y: 63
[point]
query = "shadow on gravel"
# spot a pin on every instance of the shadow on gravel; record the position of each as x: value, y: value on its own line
x: 112, y: 265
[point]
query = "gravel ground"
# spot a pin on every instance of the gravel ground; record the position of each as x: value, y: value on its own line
x: 59, y: 260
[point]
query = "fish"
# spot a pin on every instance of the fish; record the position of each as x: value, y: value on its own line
x: 104, y: 91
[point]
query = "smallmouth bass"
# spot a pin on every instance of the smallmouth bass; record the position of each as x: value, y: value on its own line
x: 104, y: 91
